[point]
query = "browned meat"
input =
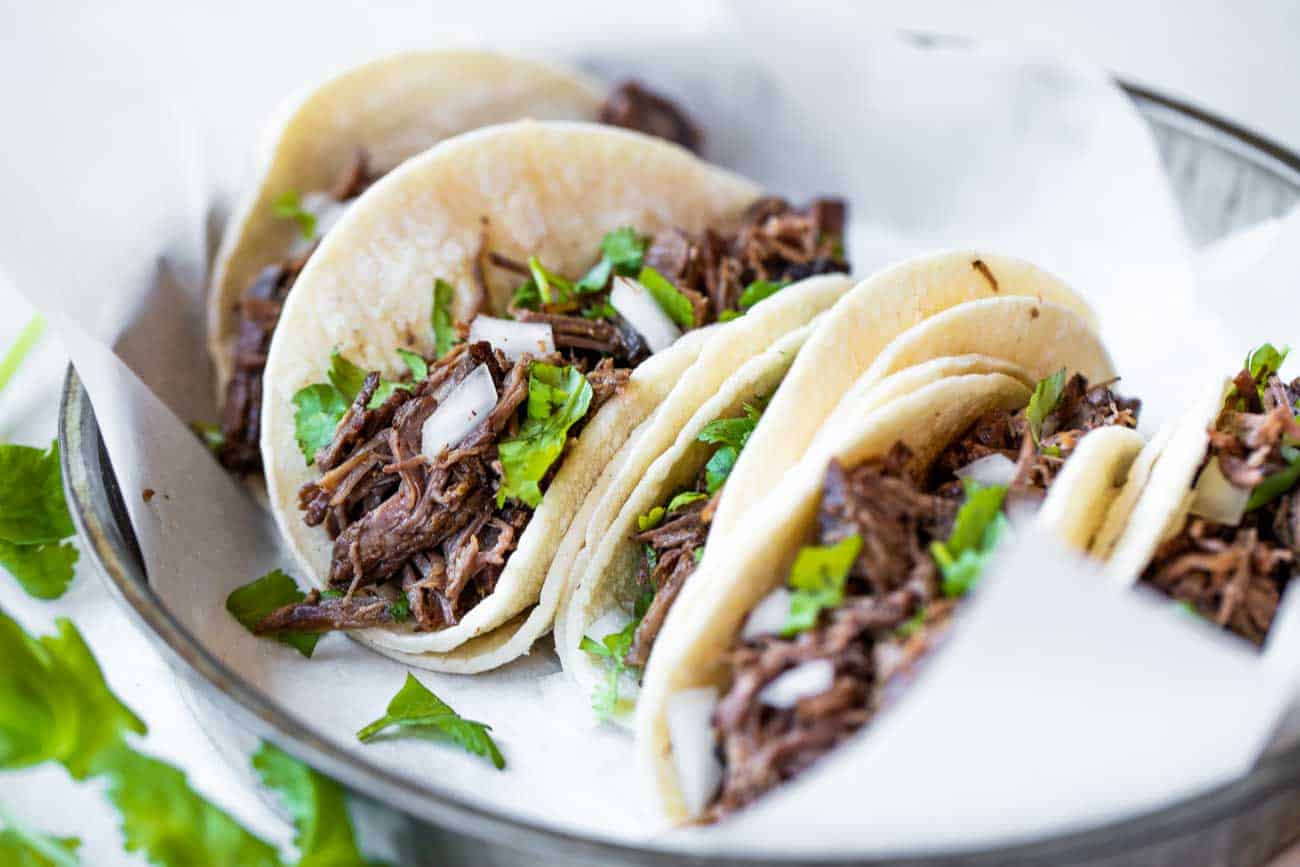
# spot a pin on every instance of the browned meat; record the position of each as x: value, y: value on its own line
x: 1235, y: 575
x: 315, y: 614
x: 674, y: 543
x: 633, y: 106
x: 893, y: 579
x: 576, y: 332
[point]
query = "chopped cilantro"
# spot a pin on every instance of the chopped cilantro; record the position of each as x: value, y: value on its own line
x: 1266, y: 360
x: 650, y: 519
x: 912, y: 625
x: 21, y: 846
x: 288, y: 206
x: 444, y: 328
x: 621, y: 252
x: 1045, y: 399
x: 730, y: 434
x: 759, y: 290
x: 698, y: 554
x: 526, y: 295
x: 685, y: 498
x: 611, y: 650
x: 417, y: 709
x: 669, y: 298
x: 817, y: 578
x: 415, y: 363
x: 651, y: 558
x: 34, y: 520
x: 558, y: 397
x: 975, y: 533
x: 23, y: 346
x: 250, y: 603
x: 320, y: 813
x: 552, y: 288
x: 1277, y: 484
x: 317, y: 411
x: 599, y: 310
x: 1187, y: 609
x: 400, y: 609
x: 210, y: 434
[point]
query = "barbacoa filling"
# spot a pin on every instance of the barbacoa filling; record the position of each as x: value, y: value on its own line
x: 1234, y: 574
x: 428, y: 538
x: 894, y: 554
x: 630, y: 105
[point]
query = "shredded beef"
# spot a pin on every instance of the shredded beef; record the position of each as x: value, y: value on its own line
x: 633, y: 106
x: 892, y: 580
x: 317, y: 614
x: 259, y: 311
x: 1235, y: 575
x: 402, y: 522
x: 674, y: 543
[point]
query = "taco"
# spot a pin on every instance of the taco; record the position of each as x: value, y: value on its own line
x: 426, y: 476
x: 811, y: 620
x: 332, y: 145
x: 645, y: 547
x: 1213, y: 520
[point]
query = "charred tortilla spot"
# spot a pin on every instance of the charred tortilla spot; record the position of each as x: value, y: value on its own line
x: 1033, y: 313
x: 148, y: 494
x: 986, y: 273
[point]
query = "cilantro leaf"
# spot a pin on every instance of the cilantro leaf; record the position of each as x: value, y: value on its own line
x: 526, y: 295
x: 621, y: 252
x: 612, y: 651
x: 317, y: 411
x: 54, y: 703
x: 288, y: 206
x: 1277, y: 484
x: 1265, y: 360
x: 650, y: 519
x: 325, y: 836
x: 44, y: 571
x: 599, y: 310
x: 210, y: 434
x: 23, y: 847
x: 685, y: 498
x: 1045, y: 399
x: 444, y: 328
x: 818, y: 577
x: 250, y: 603
x: 23, y: 346
x: 669, y: 298
x: 552, y: 288
x: 415, y: 707
x: 400, y: 609
x: 32, y: 509
x: 912, y: 625
x: 558, y: 397
x: 415, y: 363
x: 975, y: 533
x: 731, y: 434
x: 719, y: 467
x: 345, y: 376
x: 755, y: 292
x: 170, y: 823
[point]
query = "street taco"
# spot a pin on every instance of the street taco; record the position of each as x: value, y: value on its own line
x: 336, y: 141
x: 1213, y: 522
x: 813, y: 618
x: 425, y: 477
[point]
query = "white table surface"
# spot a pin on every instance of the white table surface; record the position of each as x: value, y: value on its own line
x: 1239, y: 60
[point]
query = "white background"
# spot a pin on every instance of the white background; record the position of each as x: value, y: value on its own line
x: 1240, y: 60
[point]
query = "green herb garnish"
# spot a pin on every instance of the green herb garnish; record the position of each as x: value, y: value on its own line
x: 621, y: 252
x: 650, y: 519
x: 1277, y: 484
x: 730, y: 434
x: 22, y: 347
x: 288, y: 206
x: 419, y: 711
x: 551, y: 287
x: 1044, y: 401
x: 558, y: 397
x: 755, y: 292
x: 319, y: 408
x: 274, y: 590
x: 612, y: 651
x: 415, y: 363
x: 669, y: 298
x: 975, y: 533
x: 34, y: 519
x: 817, y: 578
x: 685, y: 498
x: 21, y: 846
x: 444, y: 327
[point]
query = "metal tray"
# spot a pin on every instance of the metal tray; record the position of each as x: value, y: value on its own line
x: 1224, y: 177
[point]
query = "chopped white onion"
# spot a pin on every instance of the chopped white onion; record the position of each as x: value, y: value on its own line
x: 992, y: 469
x: 803, y: 681
x: 1217, y: 499
x: 690, y: 728
x: 769, y: 615
x: 635, y: 304
x: 513, y: 338
x: 462, y: 411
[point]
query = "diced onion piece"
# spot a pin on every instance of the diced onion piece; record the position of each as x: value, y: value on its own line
x: 635, y: 304
x: 463, y: 410
x: 1216, y: 499
x: 769, y: 615
x: 803, y: 681
x: 513, y: 338
x: 992, y: 469
x: 690, y: 728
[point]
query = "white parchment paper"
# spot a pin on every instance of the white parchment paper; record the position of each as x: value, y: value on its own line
x: 1061, y: 703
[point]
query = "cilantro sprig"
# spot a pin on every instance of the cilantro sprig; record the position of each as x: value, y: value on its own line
x: 255, y: 600
x: 621, y: 252
x: 759, y: 290
x: 558, y: 398
x: 22, y: 846
x: 418, y: 710
x: 975, y: 533
x: 288, y: 206
x: 731, y: 435
x: 319, y: 408
x: 1043, y: 402
x: 818, y: 577
x: 444, y: 327
x: 611, y: 651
